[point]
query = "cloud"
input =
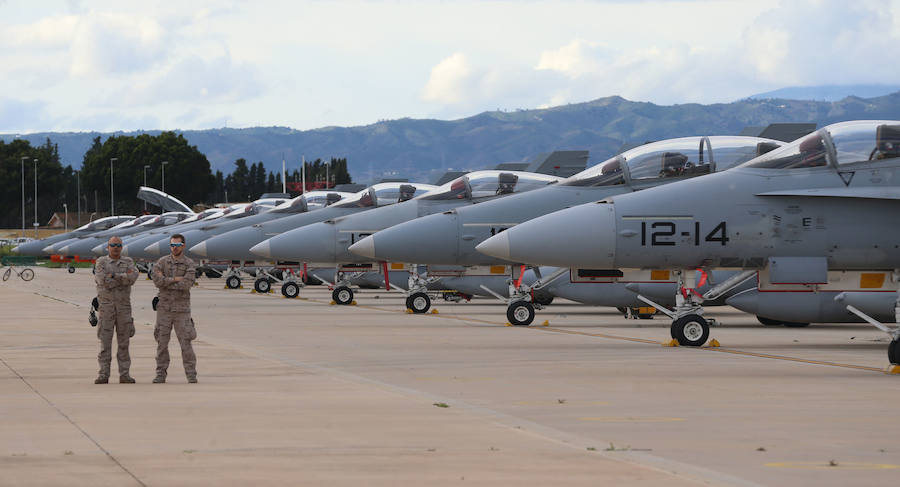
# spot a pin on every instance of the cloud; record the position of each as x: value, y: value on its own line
x: 195, y: 80
x: 452, y: 80
x: 575, y: 59
x: 104, y: 44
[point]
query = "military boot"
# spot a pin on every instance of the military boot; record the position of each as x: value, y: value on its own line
x: 126, y: 379
x: 101, y: 380
x: 159, y: 379
x: 192, y: 380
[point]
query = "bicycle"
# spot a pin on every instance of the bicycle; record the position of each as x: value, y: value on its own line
x: 26, y: 274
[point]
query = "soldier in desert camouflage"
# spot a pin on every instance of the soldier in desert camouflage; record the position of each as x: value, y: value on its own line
x: 174, y: 275
x: 114, y: 276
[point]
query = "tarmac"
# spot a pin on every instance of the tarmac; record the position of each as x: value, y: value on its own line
x: 302, y: 392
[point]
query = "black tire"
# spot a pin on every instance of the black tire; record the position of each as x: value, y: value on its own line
x: 894, y: 352
x: 768, y: 321
x: 418, y: 303
x: 520, y: 313
x: 71, y: 269
x: 7, y: 273
x: 233, y: 282
x: 262, y: 285
x: 690, y: 330
x: 27, y: 275
x: 342, y: 295
x: 290, y: 290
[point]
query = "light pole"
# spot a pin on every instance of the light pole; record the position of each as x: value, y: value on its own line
x: 35, y: 200
x: 23, y: 194
x: 164, y: 175
x: 66, y: 207
x: 145, y: 184
x: 112, y: 194
x: 78, y: 194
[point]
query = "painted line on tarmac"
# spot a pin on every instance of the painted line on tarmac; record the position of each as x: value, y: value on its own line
x: 626, y: 338
x: 833, y: 465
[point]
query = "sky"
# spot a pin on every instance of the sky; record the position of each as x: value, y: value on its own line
x: 127, y: 65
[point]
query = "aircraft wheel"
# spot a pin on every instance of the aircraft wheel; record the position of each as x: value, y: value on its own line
x: 520, y: 313
x: 233, y: 282
x: 290, y: 290
x: 894, y: 352
x: 262, y: 285
x: 342, y: 295
x: 768, y: 321
x: 71, y: 269
x: 690, y: 330
x: 418, y: 302
x: 791, y: 324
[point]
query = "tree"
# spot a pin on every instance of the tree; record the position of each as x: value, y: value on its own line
x: 53, y: 183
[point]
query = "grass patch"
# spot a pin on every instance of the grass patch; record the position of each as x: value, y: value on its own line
x: 441, y: 405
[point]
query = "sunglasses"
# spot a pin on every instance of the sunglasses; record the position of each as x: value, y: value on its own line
x: 115, y: 245
x: 176, y: 244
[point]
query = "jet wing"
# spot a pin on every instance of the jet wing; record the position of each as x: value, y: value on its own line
x: 879, y: 193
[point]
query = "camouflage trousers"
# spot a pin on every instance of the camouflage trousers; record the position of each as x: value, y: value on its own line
x: 166, y: 321
x: 123, y: 325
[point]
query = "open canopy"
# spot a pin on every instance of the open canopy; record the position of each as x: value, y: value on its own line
x: 163, y: 200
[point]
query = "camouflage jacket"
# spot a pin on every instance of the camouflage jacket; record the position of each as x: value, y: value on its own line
x: 174, y: 295
x: 113, y: 279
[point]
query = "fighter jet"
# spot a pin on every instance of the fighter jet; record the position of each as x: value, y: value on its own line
x: 328, y: 242
x: 235, y: 244
x: 36, y: 248
x: 450, y: 237
x: 808, y: 215
x: 86, y: 247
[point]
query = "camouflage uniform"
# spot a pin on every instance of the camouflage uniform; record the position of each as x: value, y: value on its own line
x: 114, y: 294
x: 174, y: 311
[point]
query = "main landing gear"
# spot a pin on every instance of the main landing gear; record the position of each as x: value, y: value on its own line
x: 689, y: 327
x: 892, y: 331
x: 522, y: 301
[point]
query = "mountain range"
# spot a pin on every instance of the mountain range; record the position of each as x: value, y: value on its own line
x: 421, y: 149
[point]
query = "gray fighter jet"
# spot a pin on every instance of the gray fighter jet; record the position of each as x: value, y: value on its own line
x: 235, y: 244
x: 36, y: 248
x: 450, y: 237
x: 328, y: 242
x: 85, y: 247
x: 812, y: 215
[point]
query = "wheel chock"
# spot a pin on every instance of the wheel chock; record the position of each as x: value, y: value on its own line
x: 671, y: 343
x: 353, y: 303
x: 714, y: 343
x: 546, y: 323
x: 253, y: 291
x: 893, y: 370
x: 508, y: 324
x: 332, y: 303
x: 434, y: 311
x: 409, y: 311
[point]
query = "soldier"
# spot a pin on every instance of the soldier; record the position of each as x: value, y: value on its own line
x: 174, y: 276
x: 114, y: 276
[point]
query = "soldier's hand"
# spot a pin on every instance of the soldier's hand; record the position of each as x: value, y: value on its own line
x: 178, y: 278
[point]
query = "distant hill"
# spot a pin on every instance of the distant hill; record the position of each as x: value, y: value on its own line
x: 827, y: 92
x: 419, y: 149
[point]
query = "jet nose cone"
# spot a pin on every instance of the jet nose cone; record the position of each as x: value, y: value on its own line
x: 101, y: 250
x: 581, y: 236
x: 64, y: 250
x: 263, y: 249
x: 312, y: 243
x: 496, y: 246
x: 48, y: 249
x: 365, y: 247
x: 199, y: 249
x: 15, y: 249
x: 153, y: 249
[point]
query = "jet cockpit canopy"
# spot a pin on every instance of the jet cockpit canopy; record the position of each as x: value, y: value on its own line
x: 310, y: 201
x: 490, y: 183
x: 105, y: 223
x: 684, y: 157
x: 837, y: 145
x: 383, y: 194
